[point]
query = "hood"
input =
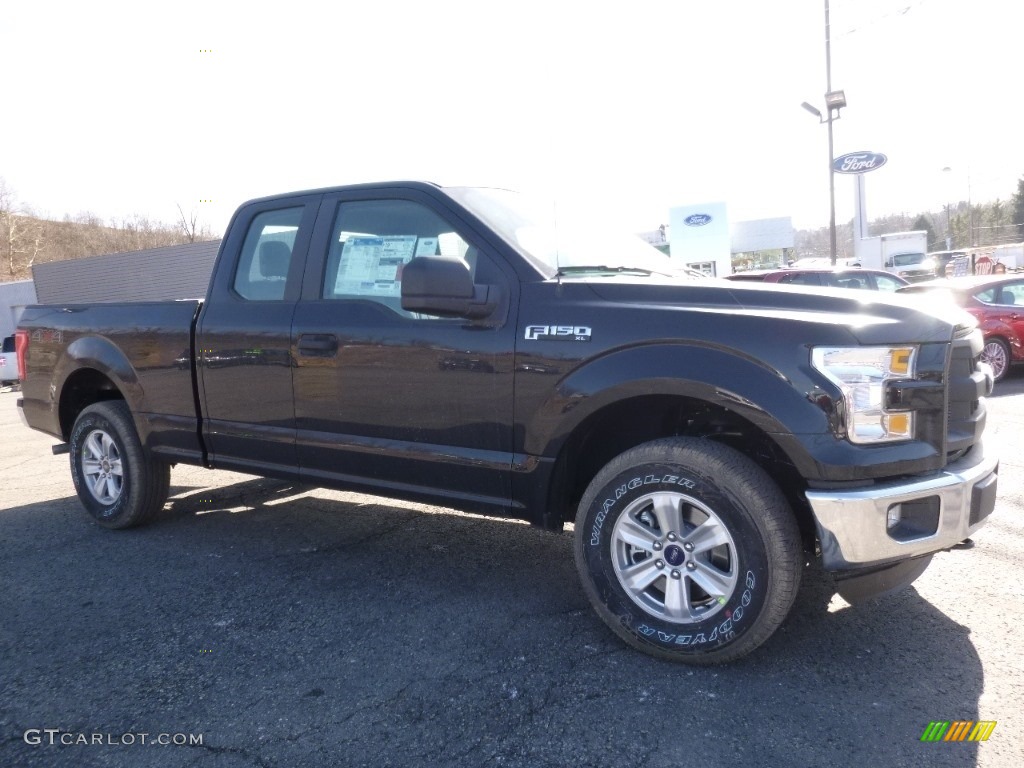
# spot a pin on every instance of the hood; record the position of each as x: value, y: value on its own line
x: 870, y: 317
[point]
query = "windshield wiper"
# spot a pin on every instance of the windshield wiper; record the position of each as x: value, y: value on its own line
x: 575, y: 270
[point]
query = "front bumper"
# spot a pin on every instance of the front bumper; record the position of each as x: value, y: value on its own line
x: 943, y: 510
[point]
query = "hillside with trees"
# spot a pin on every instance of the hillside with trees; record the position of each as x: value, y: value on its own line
x: 26, y: 239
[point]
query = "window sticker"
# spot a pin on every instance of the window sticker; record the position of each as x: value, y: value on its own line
x: 426, y: 246
x: 372, y: 266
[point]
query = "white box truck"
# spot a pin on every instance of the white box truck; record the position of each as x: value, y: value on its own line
x: 902, y: 253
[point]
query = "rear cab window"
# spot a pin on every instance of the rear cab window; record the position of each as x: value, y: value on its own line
x: 266, y: 255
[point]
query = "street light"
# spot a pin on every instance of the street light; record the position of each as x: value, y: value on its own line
x: 949, y: 231
x: 970, y: 211
x: 834, y: 101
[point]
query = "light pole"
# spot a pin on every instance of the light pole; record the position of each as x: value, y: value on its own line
x: 949, y: 230
x: 834, y: 101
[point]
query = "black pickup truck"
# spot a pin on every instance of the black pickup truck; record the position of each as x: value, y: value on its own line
x: 708, y: 440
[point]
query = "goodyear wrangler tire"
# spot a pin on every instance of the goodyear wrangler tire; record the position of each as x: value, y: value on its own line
x: 688, y: 550
x: 118, y: 483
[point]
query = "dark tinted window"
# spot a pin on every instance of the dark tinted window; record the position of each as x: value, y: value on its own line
x: 846, y: 280
x: 802, y: 278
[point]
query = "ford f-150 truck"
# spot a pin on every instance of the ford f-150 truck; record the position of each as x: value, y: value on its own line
x: 455, y: 345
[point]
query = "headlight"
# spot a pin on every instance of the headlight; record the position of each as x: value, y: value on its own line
x: 862, y: 373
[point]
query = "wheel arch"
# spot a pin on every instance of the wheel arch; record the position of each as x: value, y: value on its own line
x: 634, y: 395
x: 631, y: 421
x: 93, y: 369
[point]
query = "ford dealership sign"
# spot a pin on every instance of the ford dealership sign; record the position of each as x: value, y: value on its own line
x: 697, y: 219
x: 858, y: 162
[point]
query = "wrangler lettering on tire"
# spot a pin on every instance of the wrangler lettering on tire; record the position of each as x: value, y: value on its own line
x: 688, y: 550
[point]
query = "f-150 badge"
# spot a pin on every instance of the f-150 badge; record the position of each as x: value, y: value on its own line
x: 558, y: 332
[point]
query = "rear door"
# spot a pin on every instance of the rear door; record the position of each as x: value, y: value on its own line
x: 243, y: 343
x: 1010, y: 308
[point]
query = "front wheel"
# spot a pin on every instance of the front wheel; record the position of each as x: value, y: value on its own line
x: 118, y: 483
x: 688, y: 550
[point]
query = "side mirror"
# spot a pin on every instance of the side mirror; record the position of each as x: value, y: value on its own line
x: 888, y: 263
x: 438, y: 285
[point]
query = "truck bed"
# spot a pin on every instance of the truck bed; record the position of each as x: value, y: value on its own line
x: 145, y: 349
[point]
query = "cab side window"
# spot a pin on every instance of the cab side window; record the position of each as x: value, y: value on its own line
x: 802, y: 278
x: 373, y: 240
x: 850, y: 282
x: 1012, y: 294
x: 262, y: 271
x: 988, y: 296
x: 886, y: 283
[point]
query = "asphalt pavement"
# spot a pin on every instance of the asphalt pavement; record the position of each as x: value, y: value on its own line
x: 260, y: 623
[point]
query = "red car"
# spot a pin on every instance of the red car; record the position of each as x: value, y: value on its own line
x: 998, y: 303
x: 827, y: 277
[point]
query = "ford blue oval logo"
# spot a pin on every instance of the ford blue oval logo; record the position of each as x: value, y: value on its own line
x: 859, y: 162
x: 697, y: 219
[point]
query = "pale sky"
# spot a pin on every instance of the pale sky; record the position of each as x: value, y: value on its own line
x: 112, y: 107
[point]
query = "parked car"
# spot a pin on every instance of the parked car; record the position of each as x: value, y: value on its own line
x: 9, y: 370
x: 827, y: 277
x: 824, y: 262
x: 998, y: 303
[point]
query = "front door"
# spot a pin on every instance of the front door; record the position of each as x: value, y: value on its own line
x: 392, y: 401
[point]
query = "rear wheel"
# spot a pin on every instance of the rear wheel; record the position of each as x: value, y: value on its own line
x: 118, y: 483
x: 997, y: 354
x: 688, y: 550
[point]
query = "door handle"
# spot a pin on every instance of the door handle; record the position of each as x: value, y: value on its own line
x: 318, y: 344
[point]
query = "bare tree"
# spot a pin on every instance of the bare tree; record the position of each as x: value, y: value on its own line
x: 189, y: 225
x: 21, y: 234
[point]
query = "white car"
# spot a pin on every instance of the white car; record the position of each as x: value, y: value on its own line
x: 9, y: 373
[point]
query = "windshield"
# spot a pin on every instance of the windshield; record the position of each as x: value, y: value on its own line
x: 906, y: 259
x: 557, y: 241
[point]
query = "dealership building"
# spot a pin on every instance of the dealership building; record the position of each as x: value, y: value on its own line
x: 702, y: 237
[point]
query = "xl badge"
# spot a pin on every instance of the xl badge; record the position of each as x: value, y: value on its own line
x: 558, y: 332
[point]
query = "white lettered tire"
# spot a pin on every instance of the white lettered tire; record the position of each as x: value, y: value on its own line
x: 688, y: 550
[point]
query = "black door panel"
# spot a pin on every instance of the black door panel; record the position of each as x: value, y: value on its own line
x: 244, y: 347
x: 417, y: 405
